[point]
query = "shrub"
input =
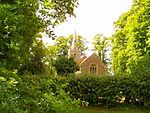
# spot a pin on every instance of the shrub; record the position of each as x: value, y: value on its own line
x: 110, y: 90
x: 65, y: 66
x: 33, y: 94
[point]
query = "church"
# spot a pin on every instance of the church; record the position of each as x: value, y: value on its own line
x: 88, y: 65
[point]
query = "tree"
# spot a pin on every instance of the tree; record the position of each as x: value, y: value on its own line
x: 63, y: 44
x: 101, y: 45
x: 131, y: 38
x: 65, y: 66
x: 49, y: 60
x: 17, y: 31
x: 81, y: 42
x: 35, y: 64
x: 22, y: 21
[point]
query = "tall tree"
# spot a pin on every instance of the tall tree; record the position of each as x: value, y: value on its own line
x: 18, y: 30
x: 49, y: 60
x: 101, y: 46
x: 131, y: 39
x: 22, y: 21
x: 35, y: 63
x: 62, y: 46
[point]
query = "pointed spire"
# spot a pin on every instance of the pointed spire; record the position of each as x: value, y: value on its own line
x: 74, y: 40
x: 75, y: 34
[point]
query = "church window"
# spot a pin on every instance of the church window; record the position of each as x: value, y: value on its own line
x: 93, y: 69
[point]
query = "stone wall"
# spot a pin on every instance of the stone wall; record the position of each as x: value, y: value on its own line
x: 93, y: 59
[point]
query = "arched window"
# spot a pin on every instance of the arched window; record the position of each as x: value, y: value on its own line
x: 93, y: 69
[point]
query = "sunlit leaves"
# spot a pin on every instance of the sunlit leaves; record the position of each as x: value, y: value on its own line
x: 54, y: 12
x: 102, y: 46
x: 132, y: 35
x: 20, y: 23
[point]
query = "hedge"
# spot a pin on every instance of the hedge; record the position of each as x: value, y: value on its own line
x: 110, y: 90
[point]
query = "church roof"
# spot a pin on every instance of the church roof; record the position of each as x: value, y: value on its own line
x: 94, y: 54
x: 81, y: 59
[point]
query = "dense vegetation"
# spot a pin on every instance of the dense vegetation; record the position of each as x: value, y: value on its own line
x: 24, y: 83
x: 110, y: 91
x: 34, y: 94
x: 65, y: 66
x: 102, y: 46
x: 21, y: 25
x: 131, y: 41
x: 28, y: 68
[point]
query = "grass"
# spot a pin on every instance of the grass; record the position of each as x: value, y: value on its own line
x: 96, y: 109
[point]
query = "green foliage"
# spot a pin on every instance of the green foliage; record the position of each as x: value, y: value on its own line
x: 33, y: 94
x: 81, y: 42
x: 131, y: 39
x: 65, y: 66
x: 59, y: 56
x: 20, y: 24
x: 22, y: 51
x: 120, y: 109
x: 54, y: 12
x: 141, y: 67
x: 101, y: 45
x: 35, y: 63
x: 110, y: 90
x: 63, y: 44
x: 49, y: 59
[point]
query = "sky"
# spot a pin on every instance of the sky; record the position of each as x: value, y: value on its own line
x: 93, y: 17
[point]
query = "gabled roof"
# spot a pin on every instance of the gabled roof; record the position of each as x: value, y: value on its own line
x: 81, y: 59
x: 92, y: 55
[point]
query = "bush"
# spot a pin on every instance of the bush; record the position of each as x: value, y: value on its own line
x: 33, y: 94
x: 110, y: 90
x: 65, y: 66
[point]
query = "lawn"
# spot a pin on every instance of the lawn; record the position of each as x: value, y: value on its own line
x: 96, y: 109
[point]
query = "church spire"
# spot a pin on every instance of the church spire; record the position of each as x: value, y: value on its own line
x: 74, y: 51
x: 74, y: 40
